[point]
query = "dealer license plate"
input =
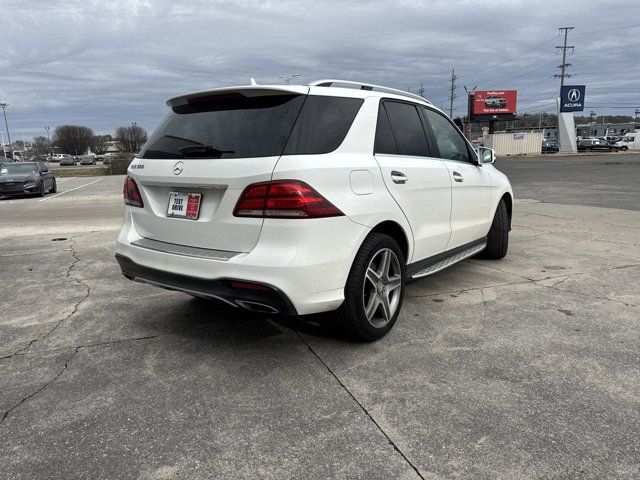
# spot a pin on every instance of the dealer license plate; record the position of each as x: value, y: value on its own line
x: 184, y: 205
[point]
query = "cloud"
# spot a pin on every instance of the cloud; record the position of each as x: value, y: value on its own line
x: 105, y: 64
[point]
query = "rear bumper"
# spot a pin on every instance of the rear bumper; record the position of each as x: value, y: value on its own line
x: 306, y: 264
x: 270, y: 299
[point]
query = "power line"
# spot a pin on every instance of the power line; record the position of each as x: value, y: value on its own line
x: 512, y: 58
x: 608, y: 29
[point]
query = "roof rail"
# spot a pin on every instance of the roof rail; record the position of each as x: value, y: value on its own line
x: 367, y: 86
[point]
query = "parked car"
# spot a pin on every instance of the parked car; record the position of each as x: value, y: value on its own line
x: 107, y: 158
x: 630, y: 141
x: 57, y: 157
x: 68, y: 161
x: 550, y: 146
x: 20, y: 178
x: 87, y: 160
x: 303, y: 199
x: 596, y: 144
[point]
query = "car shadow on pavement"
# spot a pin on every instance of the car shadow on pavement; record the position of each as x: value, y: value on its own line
x: 253, y: 326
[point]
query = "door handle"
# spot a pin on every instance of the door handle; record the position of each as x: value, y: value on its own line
x: 457, y: 176
x: 398, y: 177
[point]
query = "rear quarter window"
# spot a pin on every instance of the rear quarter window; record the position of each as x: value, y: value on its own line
x: 322, y: 125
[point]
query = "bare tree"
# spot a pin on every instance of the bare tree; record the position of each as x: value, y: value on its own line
x: 100, y: 144
x: 131, y: 138
x: 40, y: 145
x: 73, y: 139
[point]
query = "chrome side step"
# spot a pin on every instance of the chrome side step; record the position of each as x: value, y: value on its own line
x: 447, y: 262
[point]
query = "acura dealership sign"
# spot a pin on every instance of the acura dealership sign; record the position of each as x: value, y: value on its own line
x: 572, y: 98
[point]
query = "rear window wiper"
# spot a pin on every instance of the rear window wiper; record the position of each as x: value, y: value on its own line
x: 202, y: 151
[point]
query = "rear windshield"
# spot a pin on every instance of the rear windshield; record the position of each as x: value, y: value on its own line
x: 235, y: 126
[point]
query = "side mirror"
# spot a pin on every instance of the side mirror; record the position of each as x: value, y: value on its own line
x: 486, y: 155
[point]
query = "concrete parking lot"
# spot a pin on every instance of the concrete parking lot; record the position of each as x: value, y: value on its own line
x: 525, y: 368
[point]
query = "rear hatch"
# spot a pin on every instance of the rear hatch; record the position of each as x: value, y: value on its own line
x: 212, y: 145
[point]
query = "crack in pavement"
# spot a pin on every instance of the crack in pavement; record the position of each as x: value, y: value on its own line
x: 76, y: 259
x: 362, y: 407
x: 33, y: 394
x: 89, y: 345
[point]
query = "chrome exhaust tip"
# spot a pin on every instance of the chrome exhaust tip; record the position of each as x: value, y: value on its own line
x: 256, y: 307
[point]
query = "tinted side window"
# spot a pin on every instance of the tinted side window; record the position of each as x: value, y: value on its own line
x: 407, y: 129
x: 448, y: 138
x: 385, y: 143
x: 322, y: 125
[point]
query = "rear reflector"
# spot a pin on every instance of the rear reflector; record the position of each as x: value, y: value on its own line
x: 283, y: 199
x: 249, y: 285
x: 131, y: 193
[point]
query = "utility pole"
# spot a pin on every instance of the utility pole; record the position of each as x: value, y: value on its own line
x: 452, y: 97
x: 563, y: 68
x: 421, y: 90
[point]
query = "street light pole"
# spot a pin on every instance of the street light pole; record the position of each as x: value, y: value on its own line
x: 4, y: 151
x: 4, y: 105
x: 48, y: 139
x: 287, y: 78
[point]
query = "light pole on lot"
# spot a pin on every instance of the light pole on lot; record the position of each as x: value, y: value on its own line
x: 637, y: 114
x: 4, y: 105
x: 47, y: 128
x: 4, y: 151
x: 592, y: 116
x: 287, y: 78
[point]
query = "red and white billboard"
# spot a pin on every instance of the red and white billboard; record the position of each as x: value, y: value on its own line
x: 494, y: 102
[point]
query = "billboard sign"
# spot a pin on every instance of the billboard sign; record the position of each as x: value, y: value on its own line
x: 494, y: 102
x: 572, y: 98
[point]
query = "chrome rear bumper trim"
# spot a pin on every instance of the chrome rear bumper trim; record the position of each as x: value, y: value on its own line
x: 184, y: 250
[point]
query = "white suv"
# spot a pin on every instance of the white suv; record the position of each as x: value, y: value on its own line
x: 305, y: 199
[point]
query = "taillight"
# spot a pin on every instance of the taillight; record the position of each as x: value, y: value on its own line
x: 283, y: 199
x: 131, y: 193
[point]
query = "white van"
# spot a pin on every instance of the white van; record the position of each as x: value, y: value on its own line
x: 630, y: 141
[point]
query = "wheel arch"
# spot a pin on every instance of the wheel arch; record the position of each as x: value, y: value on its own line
x: 395, y: 231
x: 508, y: 201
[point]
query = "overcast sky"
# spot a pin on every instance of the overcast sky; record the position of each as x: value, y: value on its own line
x: 107, y: 63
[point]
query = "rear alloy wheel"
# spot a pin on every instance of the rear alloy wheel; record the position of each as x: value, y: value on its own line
x: 374, y: 289
x: 42, y: 192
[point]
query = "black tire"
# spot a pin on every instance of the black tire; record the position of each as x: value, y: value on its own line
x: 352, y: 312
x: 54, y: 187
x: 624, y: 149
x: 498, y: 238
x: 42, y: 192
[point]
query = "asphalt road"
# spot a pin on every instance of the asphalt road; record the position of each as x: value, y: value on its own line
x: 607, y: 180
x: 524, y: 368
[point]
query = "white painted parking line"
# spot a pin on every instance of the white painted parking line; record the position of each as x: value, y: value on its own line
x: 71, y: 190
